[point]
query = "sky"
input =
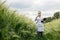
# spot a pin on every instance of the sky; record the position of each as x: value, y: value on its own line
x: 30, y: 8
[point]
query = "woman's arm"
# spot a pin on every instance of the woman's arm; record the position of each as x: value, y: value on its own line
x: 36, y: 18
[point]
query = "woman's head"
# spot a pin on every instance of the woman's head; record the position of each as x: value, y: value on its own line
x: 39, y: 13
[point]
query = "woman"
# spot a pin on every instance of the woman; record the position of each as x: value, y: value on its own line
x: 39, y: 23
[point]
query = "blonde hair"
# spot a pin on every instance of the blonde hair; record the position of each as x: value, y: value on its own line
x: 39, y: 12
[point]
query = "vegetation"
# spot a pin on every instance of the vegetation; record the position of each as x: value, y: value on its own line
x: 55, y: 16
x: 19, y: 27
x: 52, y: 30
x: 14, y: 26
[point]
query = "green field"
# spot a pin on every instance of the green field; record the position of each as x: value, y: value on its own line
x: 52, y: 30
x: 19, y: 27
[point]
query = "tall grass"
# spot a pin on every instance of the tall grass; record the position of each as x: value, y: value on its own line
x: 52, y: 30
x: 13, y: 26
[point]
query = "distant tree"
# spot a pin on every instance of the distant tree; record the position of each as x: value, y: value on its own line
x: 48, y: 19
x: 53, y: 18
x: 56, y: 15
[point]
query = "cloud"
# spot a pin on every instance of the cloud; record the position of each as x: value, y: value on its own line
x: 0, y: 0
x: 20, y: 5
x: 34, y: 4
x: 30, y: 7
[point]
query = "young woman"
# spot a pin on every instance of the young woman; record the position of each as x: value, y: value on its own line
x: 39, y: 24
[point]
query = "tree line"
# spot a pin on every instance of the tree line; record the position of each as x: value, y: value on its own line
x: 55, y: 16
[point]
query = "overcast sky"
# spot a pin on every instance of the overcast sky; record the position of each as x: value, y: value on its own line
x: 31, y: 7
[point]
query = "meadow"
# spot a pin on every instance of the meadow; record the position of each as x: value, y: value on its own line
x: 19, y: 27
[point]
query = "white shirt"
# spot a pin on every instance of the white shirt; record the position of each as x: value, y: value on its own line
x: 40, y: 25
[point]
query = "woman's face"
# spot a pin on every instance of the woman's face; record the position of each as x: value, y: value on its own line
x: 39, y: 13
